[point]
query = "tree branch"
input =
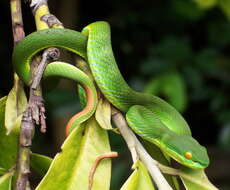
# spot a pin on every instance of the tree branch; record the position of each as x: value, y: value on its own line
x: 22, y: 166
x: 17, y: 22
x: 135, y: 146
x: 23, y: 162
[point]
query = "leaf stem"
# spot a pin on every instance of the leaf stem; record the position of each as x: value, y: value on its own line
x: 96, y: 163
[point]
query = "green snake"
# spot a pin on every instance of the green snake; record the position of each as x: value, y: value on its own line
x: 149, y: 116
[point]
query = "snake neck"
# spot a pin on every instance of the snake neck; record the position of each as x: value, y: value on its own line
x: 114, y: 87
x: 103, y: 66
x: 169, y: 116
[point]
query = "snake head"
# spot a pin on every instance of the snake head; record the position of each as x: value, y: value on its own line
x: 186, y: 150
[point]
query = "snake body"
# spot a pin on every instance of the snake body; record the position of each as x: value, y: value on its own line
x: 168, y: 130
x: 35, y: 42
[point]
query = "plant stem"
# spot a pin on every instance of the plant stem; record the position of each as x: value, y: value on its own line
x: 22, y: 167
x: 135, y: 146
x: 17, y: 22
x: 23, y: 162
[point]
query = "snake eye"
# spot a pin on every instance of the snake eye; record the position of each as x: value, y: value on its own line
x: 188, y: 155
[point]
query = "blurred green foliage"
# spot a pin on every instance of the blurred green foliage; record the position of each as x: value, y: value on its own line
x: 171, y: 86
x: 189, y: 36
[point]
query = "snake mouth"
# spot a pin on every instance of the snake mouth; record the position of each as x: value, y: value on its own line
x: 199, y: 165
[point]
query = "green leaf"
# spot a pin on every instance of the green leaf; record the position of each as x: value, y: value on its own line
x: 218, y: 36
x: 152, y: 65
x: 70, y: 168
x: 195, y: 179
x: 15, y: 105
x: 225, y: 6
x: 2, y: 171
x: 8, y: 143
x: 103, y: 114
x: 139, y: 179
x: 187, y: 10
x: 2, y: 109
x: 40, y: 163
x: 174, y: 49
x: 206, y: 4
x: 171, y: 86
x: 5, y: 181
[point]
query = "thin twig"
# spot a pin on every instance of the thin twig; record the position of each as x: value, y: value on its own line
x: 22, y: 167
x: 96, y: 163
x: 49, y: 54
x: 36, y: 102
x: 134, y: 145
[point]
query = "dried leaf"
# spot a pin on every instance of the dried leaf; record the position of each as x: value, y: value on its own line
x: 103, y: 114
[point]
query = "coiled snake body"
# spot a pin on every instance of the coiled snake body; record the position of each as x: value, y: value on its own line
x: 149, y: 116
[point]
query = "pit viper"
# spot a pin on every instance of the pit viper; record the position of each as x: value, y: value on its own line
x: 149, y: 116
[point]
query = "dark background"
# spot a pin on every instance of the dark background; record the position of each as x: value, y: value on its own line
x: 150, y: 39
